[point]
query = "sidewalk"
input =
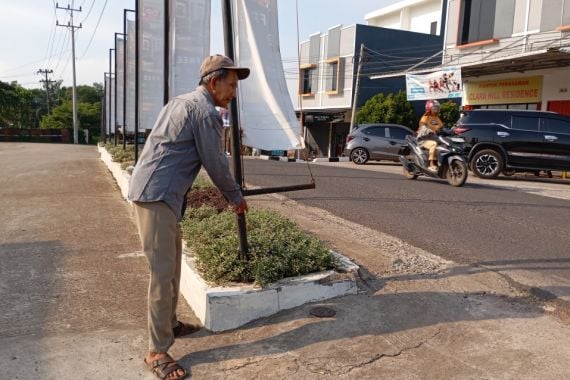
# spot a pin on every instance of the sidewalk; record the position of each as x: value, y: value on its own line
x: 73, y: 286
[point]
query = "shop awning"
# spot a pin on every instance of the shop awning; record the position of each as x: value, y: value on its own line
x: 535, y: 60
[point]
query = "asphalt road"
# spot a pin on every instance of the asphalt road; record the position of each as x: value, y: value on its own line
x: 478, y: 224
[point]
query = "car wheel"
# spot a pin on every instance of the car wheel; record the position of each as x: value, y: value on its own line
x: 408, y: 174
x: 359, y: 156
x: 456, y: 173
x: 487, y: 163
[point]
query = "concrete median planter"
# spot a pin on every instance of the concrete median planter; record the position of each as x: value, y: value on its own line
x: 224, y: 308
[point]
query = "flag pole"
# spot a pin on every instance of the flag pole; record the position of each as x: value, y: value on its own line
x: 238, y: 174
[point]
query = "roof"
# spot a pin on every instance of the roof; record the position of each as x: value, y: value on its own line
x: 536, y: 60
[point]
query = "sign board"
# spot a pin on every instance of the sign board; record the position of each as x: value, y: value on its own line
x: 442, y: 84
x: 504, y: 91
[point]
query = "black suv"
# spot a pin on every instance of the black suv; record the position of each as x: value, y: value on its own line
x: 507, y: 141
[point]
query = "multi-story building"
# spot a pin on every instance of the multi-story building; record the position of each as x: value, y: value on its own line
x: 330, y: 73
x: 512, y: 53
x: 421, y: 16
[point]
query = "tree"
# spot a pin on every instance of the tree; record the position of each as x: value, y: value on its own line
x: 449, y: 113
x: 387, y: 109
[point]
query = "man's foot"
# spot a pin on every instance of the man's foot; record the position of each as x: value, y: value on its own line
x: 432, y: 168
x: 183, y: 329
x: 164, y: 366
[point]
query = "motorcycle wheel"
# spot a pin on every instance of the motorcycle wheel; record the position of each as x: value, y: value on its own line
x: 408, y: 174
x: 456, y: 173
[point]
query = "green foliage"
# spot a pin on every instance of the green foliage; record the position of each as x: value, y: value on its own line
x: 126, y: 157
x: 27, y: 108
x: 278, y: 248
x: 202, y: 181
x: 449, y: 113
x: 387, y: 109
x: 89, y: 115
x: 18, y: 106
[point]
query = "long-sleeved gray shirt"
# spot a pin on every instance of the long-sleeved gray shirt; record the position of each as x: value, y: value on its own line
x: 186, y: 135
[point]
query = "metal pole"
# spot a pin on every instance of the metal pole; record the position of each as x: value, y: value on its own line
x: 229, y: 45
x: 125, y: 79
x: 166, y: 77
x: 137, y: 30
x: 356, y: 89
x: 108, y: 135
x: 116, y: 93
x: 75, y: 126
x: 103, y: 108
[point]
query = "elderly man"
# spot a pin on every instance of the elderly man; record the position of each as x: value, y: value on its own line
x: 185, y: 137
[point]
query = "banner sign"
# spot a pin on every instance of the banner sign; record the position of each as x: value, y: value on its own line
x: 130, y: 84
x: 151, y: 55
x: 504, y: 91
x: 267, y: 117
x: 120, y: 59
x: 442, y: 84
x: 190, y: 43
x: 109, y: 108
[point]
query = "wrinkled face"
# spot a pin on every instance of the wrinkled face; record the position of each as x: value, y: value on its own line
x: 223, y: 90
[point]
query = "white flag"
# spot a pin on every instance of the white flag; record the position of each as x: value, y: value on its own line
x: 267, y: 116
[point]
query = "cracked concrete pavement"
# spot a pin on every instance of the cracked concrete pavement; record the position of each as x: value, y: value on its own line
x: 73, y: 287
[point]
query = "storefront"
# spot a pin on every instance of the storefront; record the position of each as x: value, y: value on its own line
x: 538, y: 82
x: 325, y: 134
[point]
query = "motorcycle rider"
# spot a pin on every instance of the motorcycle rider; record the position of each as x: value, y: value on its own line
x: 429, y: 125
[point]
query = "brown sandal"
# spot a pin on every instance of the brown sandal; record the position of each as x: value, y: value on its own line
x: 163, y: 367
x: 183, y: 329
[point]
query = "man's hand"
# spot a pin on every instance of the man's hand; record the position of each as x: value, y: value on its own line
x: 241, y: 207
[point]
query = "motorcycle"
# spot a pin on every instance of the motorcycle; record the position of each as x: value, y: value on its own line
x: 450, y: 153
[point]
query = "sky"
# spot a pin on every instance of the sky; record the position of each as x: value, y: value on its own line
x: 30, y: 39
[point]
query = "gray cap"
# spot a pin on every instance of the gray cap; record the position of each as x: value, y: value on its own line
x: 217, y: 62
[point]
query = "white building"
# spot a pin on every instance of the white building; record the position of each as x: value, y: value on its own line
x: 421, y: 16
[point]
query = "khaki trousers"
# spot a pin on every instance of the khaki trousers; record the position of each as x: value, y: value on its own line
x: 162, y: 245
x: 430, y: 145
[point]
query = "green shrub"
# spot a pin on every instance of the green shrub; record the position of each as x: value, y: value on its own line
x: 449, y: 113
x: 126, y: 157
x: 278, y: 248
x: 391, y: 108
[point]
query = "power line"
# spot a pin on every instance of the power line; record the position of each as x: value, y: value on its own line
x: 95, y: 30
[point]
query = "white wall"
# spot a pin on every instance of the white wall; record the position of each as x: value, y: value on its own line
x: 554, y: 81
x: 415, y: 18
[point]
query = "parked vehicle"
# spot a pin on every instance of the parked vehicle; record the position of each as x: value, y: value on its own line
x: 376, y: 142
x: 451, y: 163
x: 509, y: 141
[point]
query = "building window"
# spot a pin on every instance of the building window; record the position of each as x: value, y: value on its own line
x: 332, y: 76
x: 308, y: 79
x: 476, y: 21
x: 433, y: 28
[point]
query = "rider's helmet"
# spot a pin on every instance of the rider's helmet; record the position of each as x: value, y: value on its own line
x: 432, y: 105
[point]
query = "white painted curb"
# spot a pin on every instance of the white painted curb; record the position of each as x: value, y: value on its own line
x: 121, y: 176
x: 281, y: 159
x: 226, y: 308
x: 331, y: 159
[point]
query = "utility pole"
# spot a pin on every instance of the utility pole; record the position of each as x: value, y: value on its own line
x: 356, y: 88
x: 46, y: 83
x: 72, y: 29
